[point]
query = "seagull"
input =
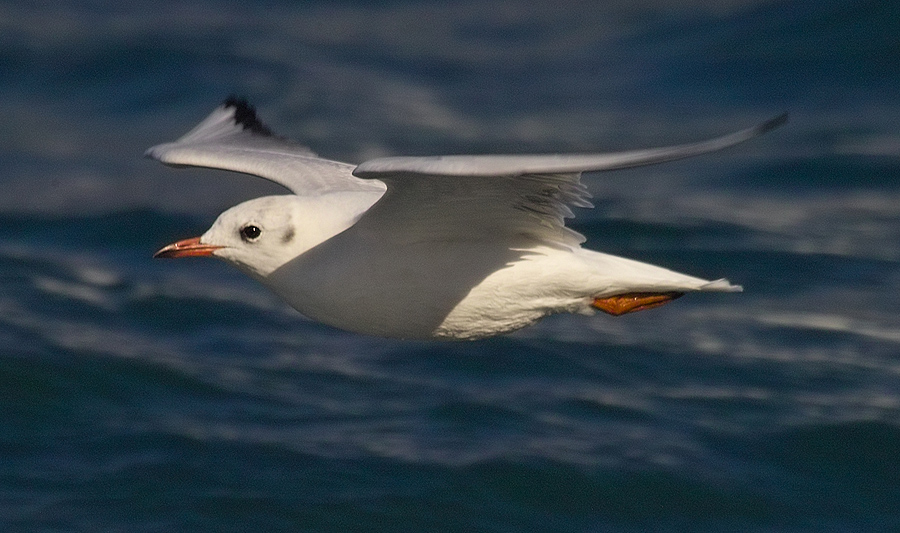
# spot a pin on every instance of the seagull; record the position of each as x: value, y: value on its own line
x: 457, y: 247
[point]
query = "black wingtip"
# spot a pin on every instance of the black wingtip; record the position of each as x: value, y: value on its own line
x: 245, y: 115
x: 772, y: 123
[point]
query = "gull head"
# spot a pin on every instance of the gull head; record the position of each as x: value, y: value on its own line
x: 256, y: 236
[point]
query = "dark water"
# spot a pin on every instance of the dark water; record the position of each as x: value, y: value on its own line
x: 142, y: 395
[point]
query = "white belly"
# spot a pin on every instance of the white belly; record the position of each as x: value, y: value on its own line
x: 420, y: 291
x: 459, y: 290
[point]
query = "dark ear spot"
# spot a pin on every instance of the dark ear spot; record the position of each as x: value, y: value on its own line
x: 288, y: 236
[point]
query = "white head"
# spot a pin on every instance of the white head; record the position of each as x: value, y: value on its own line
x: 260, y: 235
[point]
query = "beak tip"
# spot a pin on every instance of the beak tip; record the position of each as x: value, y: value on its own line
x: 186, y: 248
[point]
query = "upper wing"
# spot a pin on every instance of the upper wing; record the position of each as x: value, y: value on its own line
x: 472, y: 198
x: 233, y: 138
x: 514, y: 165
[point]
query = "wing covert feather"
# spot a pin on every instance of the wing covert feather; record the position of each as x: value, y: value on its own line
x: 508, y: 209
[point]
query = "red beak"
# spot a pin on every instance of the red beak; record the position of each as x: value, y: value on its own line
x: 186, y: 248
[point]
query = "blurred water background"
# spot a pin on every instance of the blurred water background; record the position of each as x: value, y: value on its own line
x: 143, y: 396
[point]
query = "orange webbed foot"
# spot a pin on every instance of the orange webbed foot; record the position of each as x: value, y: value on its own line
x: 633, y: 301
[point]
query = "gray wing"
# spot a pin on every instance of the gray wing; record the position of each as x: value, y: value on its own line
x: 233, y: 138
x: 504, y: 197
x: 510, y: 165
x: 514, y: 210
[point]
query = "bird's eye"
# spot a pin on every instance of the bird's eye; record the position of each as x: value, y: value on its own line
x: 250, y: 232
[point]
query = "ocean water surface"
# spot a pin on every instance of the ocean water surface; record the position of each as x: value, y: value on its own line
x: 144, y: 395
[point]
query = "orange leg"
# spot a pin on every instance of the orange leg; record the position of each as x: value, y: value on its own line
x: 634, y: 301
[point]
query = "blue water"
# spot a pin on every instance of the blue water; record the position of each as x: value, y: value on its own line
x: 143, y: 395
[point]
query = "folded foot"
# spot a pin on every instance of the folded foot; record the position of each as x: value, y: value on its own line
x: 633, y: 301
